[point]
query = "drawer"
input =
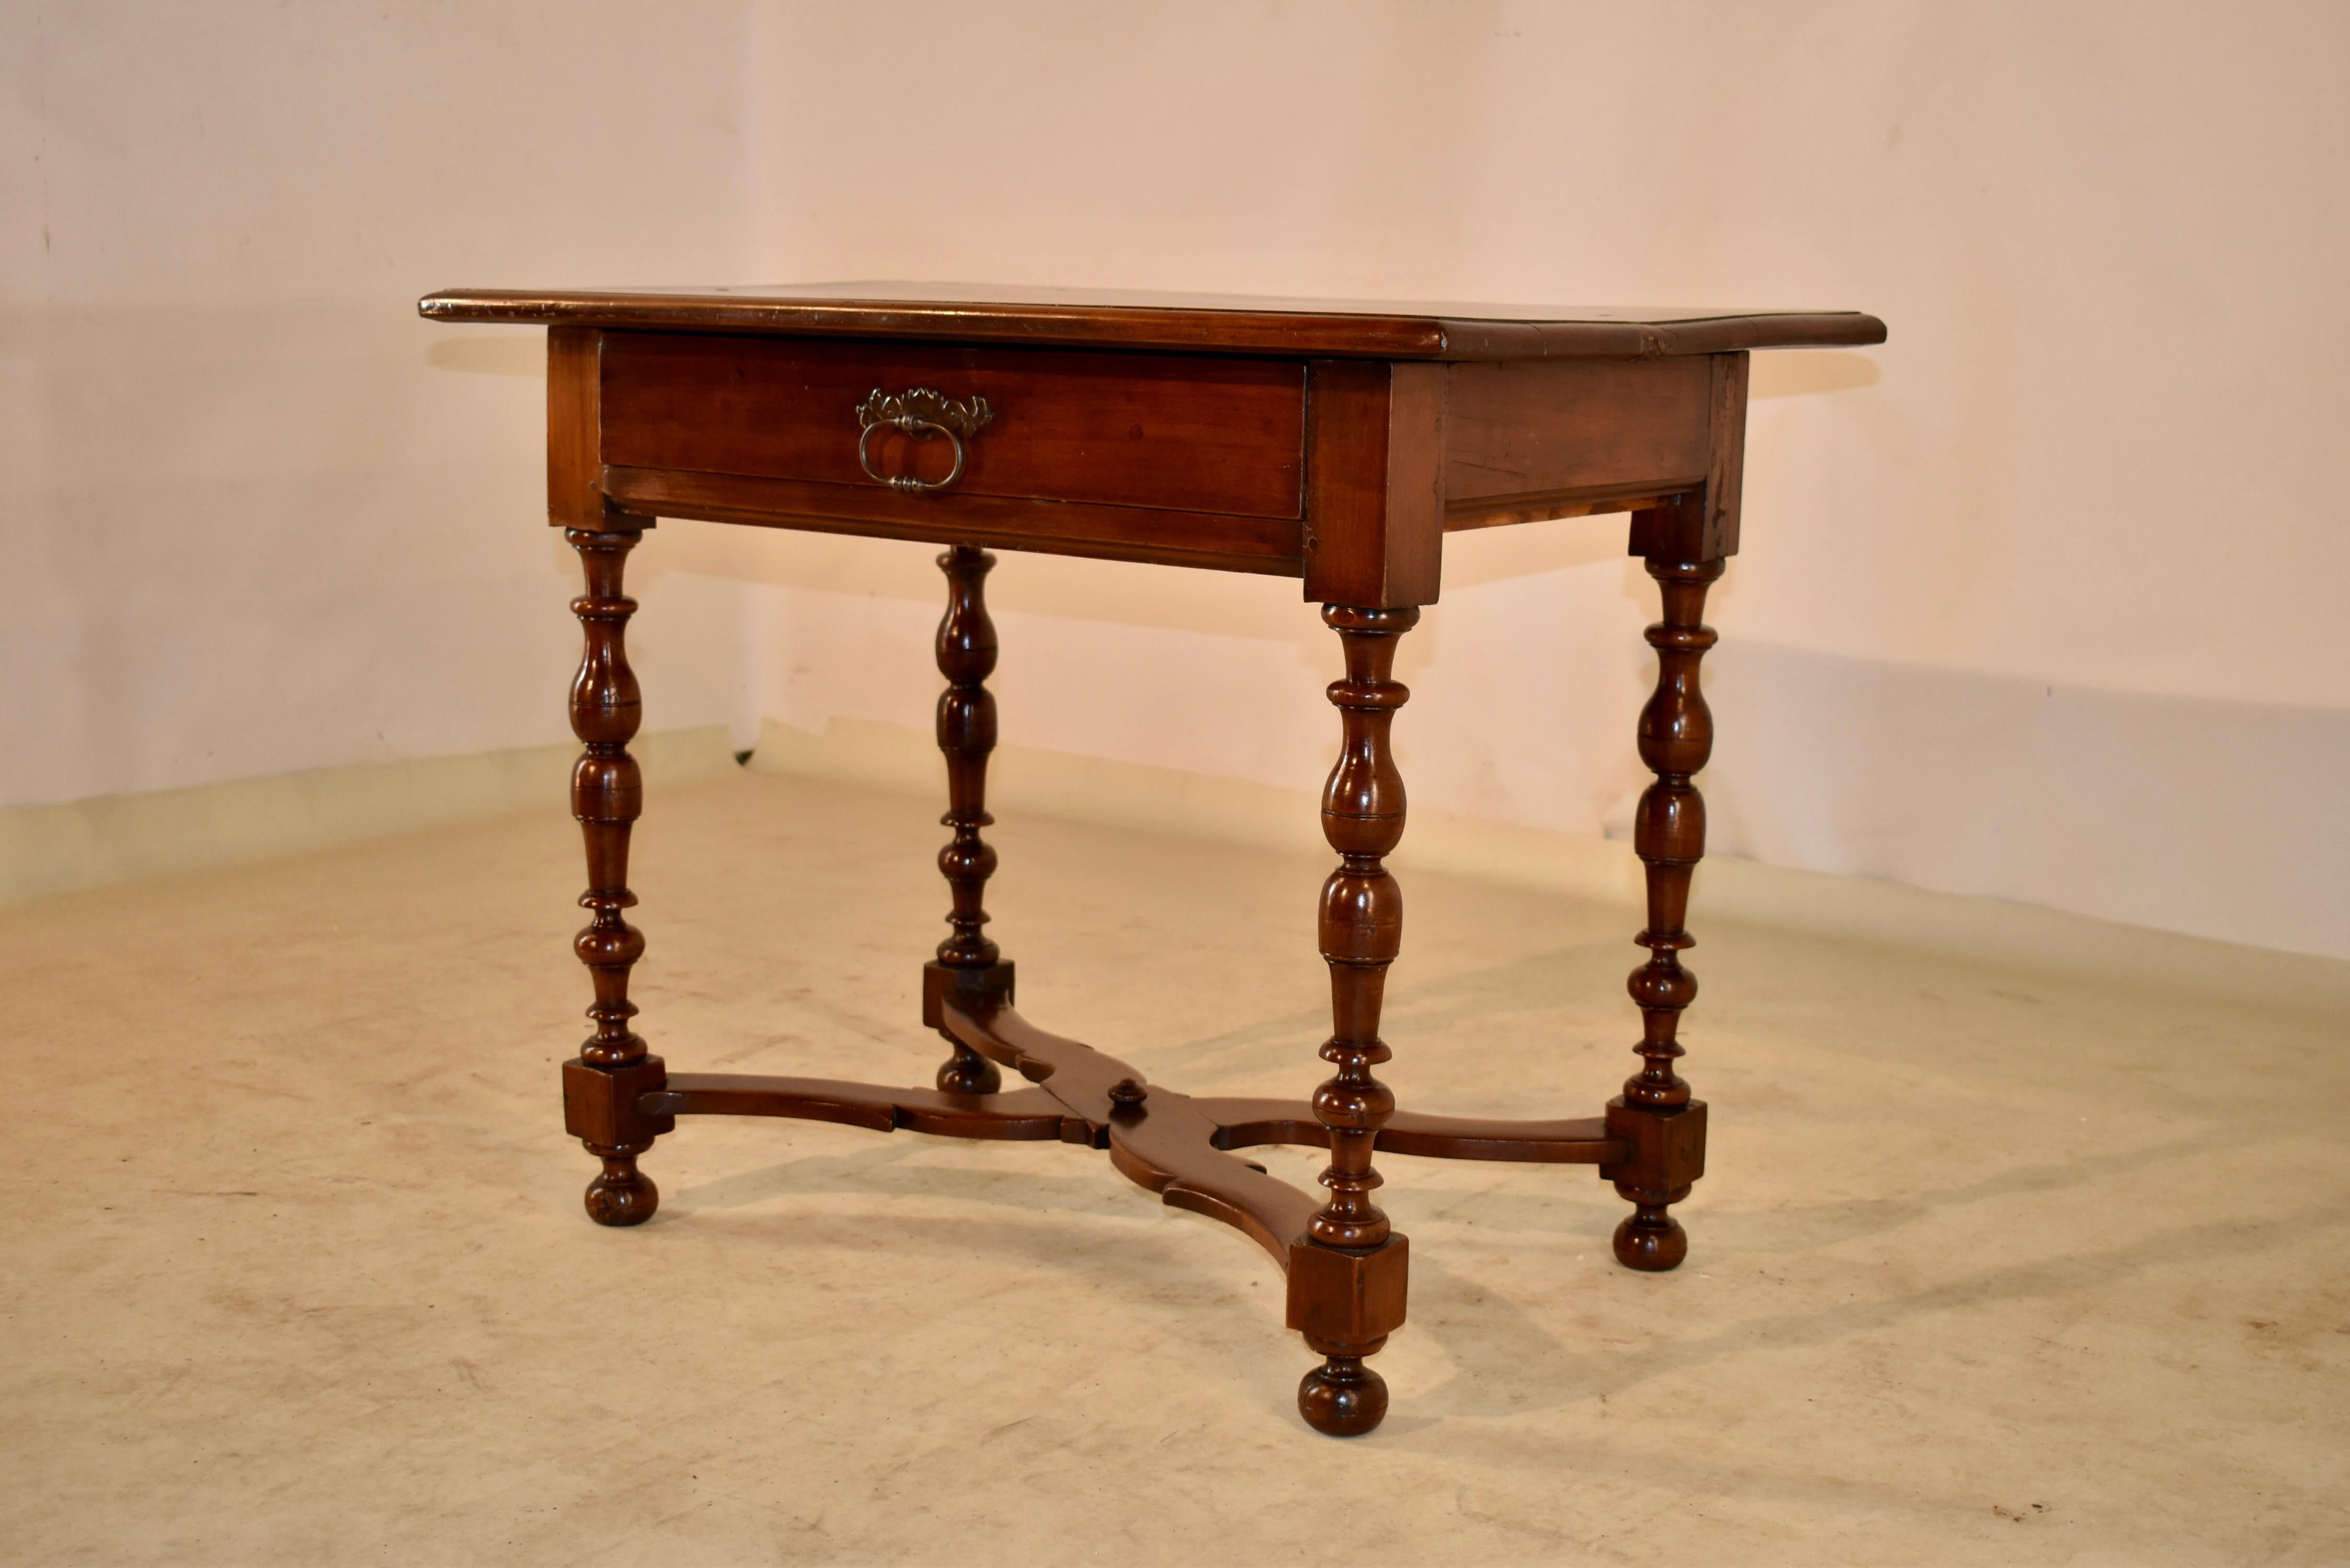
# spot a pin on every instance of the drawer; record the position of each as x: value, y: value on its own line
x: 1180, y: 435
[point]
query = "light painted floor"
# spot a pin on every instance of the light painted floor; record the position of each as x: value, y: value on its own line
x: 1990, y: 1267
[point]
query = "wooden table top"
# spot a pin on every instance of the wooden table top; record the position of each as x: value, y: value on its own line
x: 1128, y: 319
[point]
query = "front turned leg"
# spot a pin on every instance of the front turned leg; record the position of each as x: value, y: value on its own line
x: 967, y: 962
x: 602, y: 1084
x: 1347, y: 1273
x: 1655, y: 1115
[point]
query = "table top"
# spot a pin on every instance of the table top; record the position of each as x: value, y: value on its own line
x: 1130, y: 318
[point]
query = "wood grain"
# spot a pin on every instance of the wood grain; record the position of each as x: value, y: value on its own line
x: 1250, y: 1122
x: 1676, y: 738
x: 1702, y: 523
x: 1328, y: 440
x: 1023, y: 1115
x: 966, y: 734
x: 1202, y: 433
x: 1360, y: 930
x: 1518, y: 435
x: 1212, y: 323
x: 606, y: 796
x: 1115, y: 532
x: 1375, y: 501
x: 575, y: 428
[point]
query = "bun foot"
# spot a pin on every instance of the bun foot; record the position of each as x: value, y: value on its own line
x: 1651, y: 1241
x: 623, y: 1195
x: 1342, y: 1398
x: 969, y: 1073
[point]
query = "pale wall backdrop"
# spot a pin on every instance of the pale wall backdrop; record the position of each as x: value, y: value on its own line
x: 2041, y: 601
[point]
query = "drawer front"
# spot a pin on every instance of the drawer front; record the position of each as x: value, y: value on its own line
x: 1174, y: 434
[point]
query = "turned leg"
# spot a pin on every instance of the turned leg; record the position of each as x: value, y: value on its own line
x: 601, y: 1085
x: 1655, y: 1115
x: 967, y: 960
x: 1347, y: 1274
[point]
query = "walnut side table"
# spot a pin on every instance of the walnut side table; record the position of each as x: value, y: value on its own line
x: 1332, y: 441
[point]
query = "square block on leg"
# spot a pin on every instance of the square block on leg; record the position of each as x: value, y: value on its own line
x: 1348, y: 1298
x: 600, y: 1104
x: 1667, y: 1148
x: 990, y: 986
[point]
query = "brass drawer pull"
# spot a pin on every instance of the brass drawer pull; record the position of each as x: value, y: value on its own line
x: 920, y: 413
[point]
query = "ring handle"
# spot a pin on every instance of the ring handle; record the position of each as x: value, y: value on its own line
x: 921, y: 413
